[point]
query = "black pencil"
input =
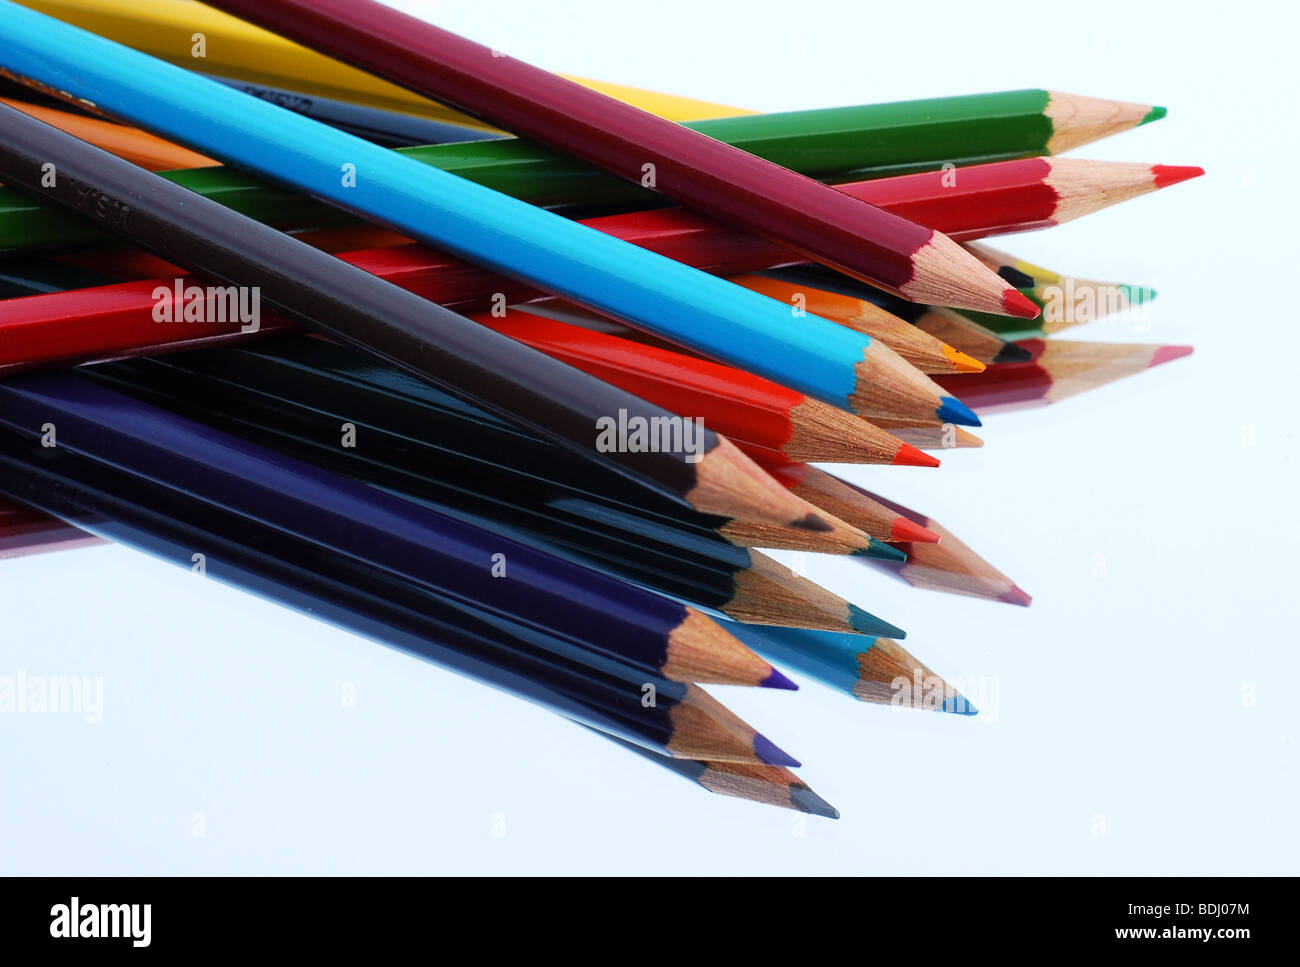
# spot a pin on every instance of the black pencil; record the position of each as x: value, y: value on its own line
x: 497, y: 458
x: 319, y: 291
x: 739, y: 582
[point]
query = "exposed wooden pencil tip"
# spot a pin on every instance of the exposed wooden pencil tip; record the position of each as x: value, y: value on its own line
x: 1078, y: 120
x: 890, y: 675
x: 704, y: 728
x: 729, y: 484
x: 701, y: 650
x: 769, y: 785
x: 769, y: 593
x: 948, y: 275
x: 821, y: 433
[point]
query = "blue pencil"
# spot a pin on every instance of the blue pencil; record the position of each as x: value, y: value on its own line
x: 390, y: 533
x: 654, y: 293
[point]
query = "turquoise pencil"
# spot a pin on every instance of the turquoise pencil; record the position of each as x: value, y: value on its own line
x: 876, y: 670
x: 649, y: 291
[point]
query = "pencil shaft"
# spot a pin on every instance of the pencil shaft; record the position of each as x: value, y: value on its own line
x: 690, y: 168
x: 567, y: 259
x: 148, y: 517
x: 387, y: 532
x: 316, y: 290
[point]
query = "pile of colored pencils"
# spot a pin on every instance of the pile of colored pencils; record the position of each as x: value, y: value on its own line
x: 516, y: 372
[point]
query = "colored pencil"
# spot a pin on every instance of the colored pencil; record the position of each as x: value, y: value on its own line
x: 769, y: 785
x: 1066, y: 301
x: 113, y: 504
x: 317, y: 290
x: 827, y: 492
x: 124, y: 321
x: 730, y: 401
x: 874, y: 670
x: 388, y: 129
x: 233, y: 48
x: 138, y: 147
x: 289, y: 418
x: 740, y: 406
x: 595, y: 611
x: 1062, y: 369
x: 465, y: 443
x: 1018, y: 196
x: 948, y: 565
x: 643, y: 289
x: 509, y: 167
x: 693, y: 169
x: 951, y: 328
x: 925, y: 352
x: 1009, y: 124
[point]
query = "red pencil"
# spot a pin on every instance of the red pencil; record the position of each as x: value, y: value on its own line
x: 732, y: 402
x: 824, y: 491
x: 68, y: 328
x: 693, y: 169
x: 1019, y: 196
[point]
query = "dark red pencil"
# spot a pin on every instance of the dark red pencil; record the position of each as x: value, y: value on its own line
x: 695, y: 170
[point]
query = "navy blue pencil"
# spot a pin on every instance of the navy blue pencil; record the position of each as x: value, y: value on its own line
x: 386, y: 531
x: 117, y: 505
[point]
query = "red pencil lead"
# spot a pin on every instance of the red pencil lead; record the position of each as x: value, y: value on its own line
x: 1017, y: 304
x: 1166, y: 175
x: 910, y: 456
x: 908, y: 532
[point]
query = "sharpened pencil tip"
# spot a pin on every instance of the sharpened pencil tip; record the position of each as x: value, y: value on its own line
x: 1167, y: 354
x: 767, y: 751
x: 1155, y: 114
x: 867, y: 623
x: 879, y: 550
x: 777, y: 680
x: 910, y: 456
x: 1013, y: 353
x: 1016, y: 303
x: 962, y: 363
x: 906, y: 531
x: 1016, y: 596
x: 812, y: 522
x: 807, y: 801
x: 953, y: 410
x: 1020, y: 280
x: 1166, y: 175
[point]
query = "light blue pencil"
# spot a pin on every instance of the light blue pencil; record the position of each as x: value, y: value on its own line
x: 877, y: 670
x: 657, y: 294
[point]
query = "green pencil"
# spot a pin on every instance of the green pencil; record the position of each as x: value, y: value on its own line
x: 834, y: 144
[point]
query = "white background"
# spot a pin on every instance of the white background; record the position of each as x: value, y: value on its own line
x: 1122, y: 702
